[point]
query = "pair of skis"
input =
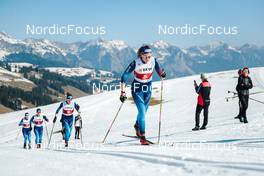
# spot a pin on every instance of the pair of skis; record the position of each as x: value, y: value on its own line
x: 136, y: 137
x: 51, y: 133
x: 160, y: 115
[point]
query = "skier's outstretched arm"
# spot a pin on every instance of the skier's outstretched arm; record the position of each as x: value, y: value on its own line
x: 77, y: 107
x: 46, y: 118
x: 59, y: 108
x: 198, y: 88
x: 159, y: 70
x: 31, y: 120
x: 57, y: 111
x: 21, y: 122
x: 131, y: 67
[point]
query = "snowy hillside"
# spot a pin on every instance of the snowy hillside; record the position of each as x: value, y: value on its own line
x: 226, y: 148
x: 14, y: 79
x: 78, y: 71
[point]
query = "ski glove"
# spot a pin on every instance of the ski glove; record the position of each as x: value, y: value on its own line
x: 123, y: 96
x: 163, y: 74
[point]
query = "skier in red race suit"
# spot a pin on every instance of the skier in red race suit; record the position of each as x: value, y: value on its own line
x: 203, y: 102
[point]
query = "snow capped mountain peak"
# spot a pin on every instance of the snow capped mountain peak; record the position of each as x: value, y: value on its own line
x: 161, y: 44
x: 197, y: 51
x: 43, y: 46
x: 9, y: 39
x: 119, y: 44
x: 107, y: 44
x: 248, y: 46
x: 216, y: 44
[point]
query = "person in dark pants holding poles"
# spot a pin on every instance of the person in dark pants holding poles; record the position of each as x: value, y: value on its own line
x: 243, y: 86
x: 203, y: 91
x: 78, y: 126
x: 240, y: 72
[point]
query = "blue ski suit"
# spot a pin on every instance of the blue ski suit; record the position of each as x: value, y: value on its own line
x: 26, y: 130
x: 67, y: 117
x: 141, y: 87
x: 38, y: 120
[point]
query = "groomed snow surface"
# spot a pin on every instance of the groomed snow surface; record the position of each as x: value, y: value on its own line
x: 227, y: 147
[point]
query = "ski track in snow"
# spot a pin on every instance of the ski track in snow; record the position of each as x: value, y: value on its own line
x: 227, y: 147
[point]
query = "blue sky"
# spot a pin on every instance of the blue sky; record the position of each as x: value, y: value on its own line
x: 136, y: 21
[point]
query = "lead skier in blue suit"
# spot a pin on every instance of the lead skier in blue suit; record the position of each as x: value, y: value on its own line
x: 143, y: 68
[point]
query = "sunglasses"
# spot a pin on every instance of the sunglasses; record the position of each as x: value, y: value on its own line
x: 147, y: 57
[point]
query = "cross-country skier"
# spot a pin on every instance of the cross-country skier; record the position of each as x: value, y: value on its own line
x: 78, y: 126
x: 240, y: 72
x: 143, y: 68
x: 26, y: 130
x: 38, y: 120
x: 67, y: 107
x: 203, y: 91
x: 243, y: 86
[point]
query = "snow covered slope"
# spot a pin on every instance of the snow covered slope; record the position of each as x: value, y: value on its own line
x: 226, y: 148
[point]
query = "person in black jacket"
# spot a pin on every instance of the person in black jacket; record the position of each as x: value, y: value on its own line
x: 243, y: 86
x: 240, y: 72
x: 203, y: 102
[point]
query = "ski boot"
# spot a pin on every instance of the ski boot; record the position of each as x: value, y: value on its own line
x: 29, y: 146
x: 66, y: 144
x: 25, y: 146
x: 245, y: 120
x: 196, y: 128
x: 143, y: 140
x: 203, y: 128
x: 138, y: 134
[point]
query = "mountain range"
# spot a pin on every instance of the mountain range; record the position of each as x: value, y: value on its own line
x: 115, y: 55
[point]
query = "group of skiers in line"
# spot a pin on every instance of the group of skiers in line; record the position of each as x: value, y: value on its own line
x: 141, y: 89
x: 37, y: 121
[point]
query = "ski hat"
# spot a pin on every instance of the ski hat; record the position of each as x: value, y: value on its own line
x: 246, y: 68
x: 26, y: 114
x: 204, y: 76
x: 38, y: 110
x: 144, y: 50
x: 69, y: 96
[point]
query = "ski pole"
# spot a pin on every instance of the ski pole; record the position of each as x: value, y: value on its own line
x: 81, y: 131
x: 46, y: 130
x: 17, y: 134
x: 160, y: 110
x: 51, y: 134
x: 256, y: 100
x: 112, y: 122
x: 235, y: 93
x: 227, y: 98
x: 81, y: 137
